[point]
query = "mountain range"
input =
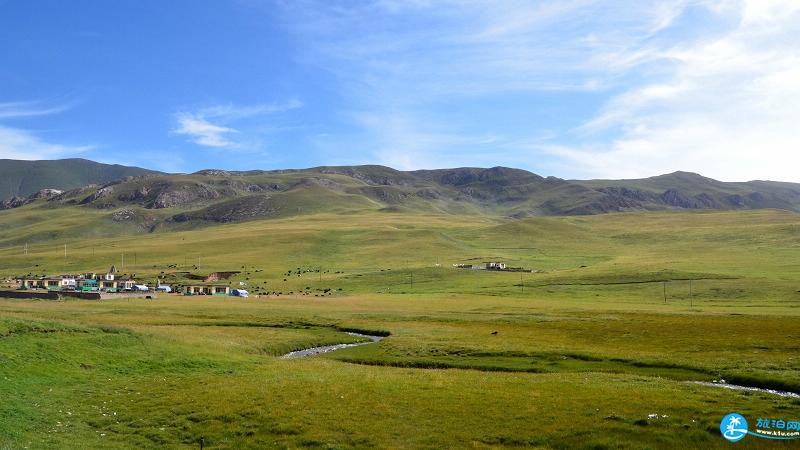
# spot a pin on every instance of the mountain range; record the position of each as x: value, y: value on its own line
x: 152, y: 200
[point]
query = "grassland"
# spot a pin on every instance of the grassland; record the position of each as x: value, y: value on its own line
x: 586, y: 349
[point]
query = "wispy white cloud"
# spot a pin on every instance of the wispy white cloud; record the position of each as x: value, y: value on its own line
x: 407, y: 142
x: 210, y: 127
x: 704, y: 85
x: 232, y: 112
x: 203, y: 132
x: 728, y: 107
x: 15, y: 110
x: 398, y: 62
x: 21, y: 144
x: 471, y: 47
x: 404, y: 143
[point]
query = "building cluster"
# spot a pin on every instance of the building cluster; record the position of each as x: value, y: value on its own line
x: 494, y: 266
x: 485, y: 266
x: 87, y: 282
x: 110, y: 282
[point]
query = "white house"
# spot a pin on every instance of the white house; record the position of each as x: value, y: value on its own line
x: 68, y: 282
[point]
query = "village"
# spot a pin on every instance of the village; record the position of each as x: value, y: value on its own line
x: 111, y: 285
x: 493, y: 265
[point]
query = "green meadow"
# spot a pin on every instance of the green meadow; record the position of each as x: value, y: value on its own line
x: 596, y: 346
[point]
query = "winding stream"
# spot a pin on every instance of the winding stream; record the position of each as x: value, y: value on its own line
x: 736, y: 387
x: 329, y: 348
x: 313, y: 351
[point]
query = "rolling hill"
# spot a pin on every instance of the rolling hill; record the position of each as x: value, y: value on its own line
x: 24, y: 178
x: 153, y: 201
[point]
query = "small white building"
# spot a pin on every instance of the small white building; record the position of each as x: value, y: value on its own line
x: 111, y: 274
x: 495, y: 266
x: 126, y: 284
x: 68, y: 282
x: 61, y: 282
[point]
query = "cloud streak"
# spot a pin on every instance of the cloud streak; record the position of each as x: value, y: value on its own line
x: 18, y: 143
x: 412, y: 64
x: 701, y: 85
x: 464, y: 47
x: 233, y: 112
x: 22, y: 144
x: 728, y: 106
x: 16, y: 110
x: 203, y: 132
x: 209, y: 127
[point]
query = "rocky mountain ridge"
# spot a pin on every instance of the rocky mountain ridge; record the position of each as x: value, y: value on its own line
x: 218, y: 196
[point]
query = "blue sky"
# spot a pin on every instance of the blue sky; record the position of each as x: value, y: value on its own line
x: 574, y: 88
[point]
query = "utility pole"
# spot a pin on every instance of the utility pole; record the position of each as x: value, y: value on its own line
x: 521, y: 283
x: 65, y: 251
x: 26, y: 249
x: 122, y: 267
x: 665, y: 292
x: 410, y: 274
x: 691, y: 299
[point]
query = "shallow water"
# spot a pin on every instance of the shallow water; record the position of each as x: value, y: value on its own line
x: 747, y: 388
x: 313, y: 351
x: 329, y: 348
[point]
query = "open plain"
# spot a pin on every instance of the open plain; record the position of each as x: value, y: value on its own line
x: 596, y: 348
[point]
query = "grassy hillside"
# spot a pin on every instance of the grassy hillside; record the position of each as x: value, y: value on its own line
x: 597, y: 349
x: 159, y: 203
x: 23, y: 178
x: 690, y: 190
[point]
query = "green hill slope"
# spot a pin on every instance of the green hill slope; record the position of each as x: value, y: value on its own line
x: 23, y: 178
x: 687, y: 190
x: 161, y: 202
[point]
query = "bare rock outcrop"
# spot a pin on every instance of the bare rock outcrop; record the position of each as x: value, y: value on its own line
x: 183, y: 195
x: 103, y: 192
